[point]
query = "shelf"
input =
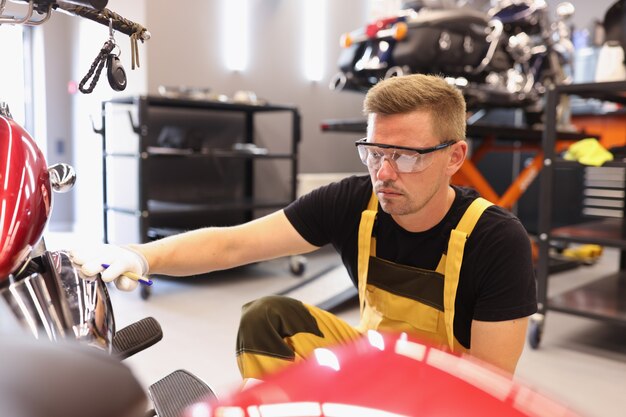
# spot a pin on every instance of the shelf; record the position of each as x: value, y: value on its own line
x: 161, y: 232
x: 476, y: 130
x: 159, y: 101
x: 344, y: 125
x: 604, y: 299
x: 563, y: 163
x: 606, y: 232
x: 157, y: 207
x: 613, y: 91
x: 513, y: 134
x: 261, y: 153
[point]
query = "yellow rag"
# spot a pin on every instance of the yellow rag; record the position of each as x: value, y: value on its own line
x: 588, y: 152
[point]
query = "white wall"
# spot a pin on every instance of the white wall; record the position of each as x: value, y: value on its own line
x: 186, y: 50
x: 57, y: 104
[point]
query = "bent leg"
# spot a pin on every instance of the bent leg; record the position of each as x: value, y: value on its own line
x: 275, y: 331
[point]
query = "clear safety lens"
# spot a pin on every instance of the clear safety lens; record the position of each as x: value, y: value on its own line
x: 402, y: 160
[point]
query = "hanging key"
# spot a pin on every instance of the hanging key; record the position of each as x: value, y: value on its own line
x: 115, y: 71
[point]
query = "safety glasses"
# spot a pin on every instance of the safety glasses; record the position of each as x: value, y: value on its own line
x: 403, y: 159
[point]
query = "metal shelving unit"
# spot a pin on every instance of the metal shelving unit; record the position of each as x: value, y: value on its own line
x: 171, y: 165
x: 605, y: 298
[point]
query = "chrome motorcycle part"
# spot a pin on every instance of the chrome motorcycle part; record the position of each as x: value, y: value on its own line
x: 87, y: 305
x: 4, y: 110
x: 34, y: 309
x: 565, y: 10
x: 445, y: 42
x: 62, y: 177
x: 54, y: 302
x: 24, y: 20
x: 494, y: 39
x: 468, y: 44
x: 338, y: 81
x: 395, y: 72
x: 515, y: 81
x: 519, y: 46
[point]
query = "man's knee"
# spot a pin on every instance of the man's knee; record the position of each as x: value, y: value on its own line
x: 261, y: 310
x: 283, y: 315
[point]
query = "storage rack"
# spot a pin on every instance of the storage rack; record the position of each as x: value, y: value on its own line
x: 169, y: 189
x: 605, y: 298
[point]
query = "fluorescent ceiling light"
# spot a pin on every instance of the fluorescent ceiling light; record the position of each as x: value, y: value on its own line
x: 314, y: 17
x: 235, y: 39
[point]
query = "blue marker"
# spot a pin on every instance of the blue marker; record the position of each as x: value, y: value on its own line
x: 134, y: 276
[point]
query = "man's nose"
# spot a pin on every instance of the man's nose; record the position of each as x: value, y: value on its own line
x: 386, y: 170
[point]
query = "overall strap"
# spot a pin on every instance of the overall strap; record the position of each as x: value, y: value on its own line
x: 368, y: 216
x: 454, y: 259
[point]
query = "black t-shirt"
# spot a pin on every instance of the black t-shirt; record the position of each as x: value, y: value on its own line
x: 496, y: 281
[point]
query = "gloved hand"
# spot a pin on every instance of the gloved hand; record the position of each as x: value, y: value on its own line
x: 119, y: 258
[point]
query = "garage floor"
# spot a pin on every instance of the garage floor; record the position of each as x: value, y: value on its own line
x: 580, y: 362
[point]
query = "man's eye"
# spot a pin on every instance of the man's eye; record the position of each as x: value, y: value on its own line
x: 406, y: 155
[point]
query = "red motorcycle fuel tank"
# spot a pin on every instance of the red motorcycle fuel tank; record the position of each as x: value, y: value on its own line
x: 25, y: 199
x: 384, y: 375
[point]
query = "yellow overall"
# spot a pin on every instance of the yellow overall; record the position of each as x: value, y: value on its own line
x: 427, y: 310
x: 275, y: 330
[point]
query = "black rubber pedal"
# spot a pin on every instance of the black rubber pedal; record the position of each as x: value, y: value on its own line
x: 177, y: 391
x: 136, y: 337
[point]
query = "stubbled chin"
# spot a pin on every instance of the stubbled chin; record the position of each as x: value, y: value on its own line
x: 389, y: 205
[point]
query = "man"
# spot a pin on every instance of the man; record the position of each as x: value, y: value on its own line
x: 430, y: 259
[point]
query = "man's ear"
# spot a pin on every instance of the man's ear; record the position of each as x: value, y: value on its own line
x: 457, y: 155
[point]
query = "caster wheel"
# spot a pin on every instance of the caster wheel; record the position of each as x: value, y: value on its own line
x: 535, y: 331
x: 145, y: 292
x: 297, y: 265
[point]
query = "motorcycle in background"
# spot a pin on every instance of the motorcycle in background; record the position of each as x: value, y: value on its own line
x: 506, y: 57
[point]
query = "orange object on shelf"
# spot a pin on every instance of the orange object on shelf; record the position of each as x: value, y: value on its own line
x: 470, y: 175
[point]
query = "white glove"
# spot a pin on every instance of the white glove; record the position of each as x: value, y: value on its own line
x: 120, y: 259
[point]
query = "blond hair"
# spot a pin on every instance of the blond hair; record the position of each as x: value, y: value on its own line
x: 431, y: 93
